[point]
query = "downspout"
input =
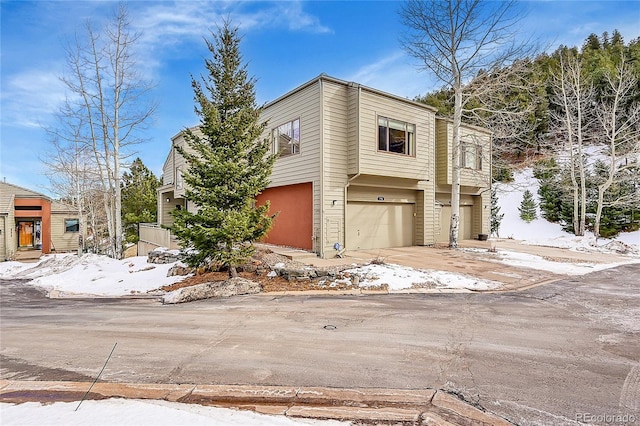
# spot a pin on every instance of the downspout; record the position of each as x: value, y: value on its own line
x: 4, y: 229
x: 320, y: 239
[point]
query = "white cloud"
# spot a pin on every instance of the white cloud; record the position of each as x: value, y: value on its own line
x: 31, y: 97
x: 169, y: 24
x: 395, y: 74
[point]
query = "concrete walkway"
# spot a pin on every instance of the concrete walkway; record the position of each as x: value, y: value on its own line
x: 377, y: 406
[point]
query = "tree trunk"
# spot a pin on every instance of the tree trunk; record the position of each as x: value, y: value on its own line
x: 455, y: 164
x: 579, y: 139
x: 233, y: 272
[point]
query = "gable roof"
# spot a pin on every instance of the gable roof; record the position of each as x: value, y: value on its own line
x: 19, y: 191
x: 325, y: 77
x: 9, y: 192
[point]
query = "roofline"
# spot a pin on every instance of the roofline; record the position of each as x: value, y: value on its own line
x: 177, y: 135
x: 325, y: 77
x: 466, y: 125
x: 35, y: 194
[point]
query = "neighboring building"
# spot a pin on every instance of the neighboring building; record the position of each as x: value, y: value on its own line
x: 32, y: 221
x: 360, y: 168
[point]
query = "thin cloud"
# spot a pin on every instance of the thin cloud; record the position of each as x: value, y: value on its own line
x: 169, y: 28
x: 31, y: 97
x: 171, y: 24
x: 394, y: 74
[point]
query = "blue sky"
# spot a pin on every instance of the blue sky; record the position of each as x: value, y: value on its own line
x: 285, y: 43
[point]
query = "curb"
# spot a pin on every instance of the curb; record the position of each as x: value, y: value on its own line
x: 377, y: 406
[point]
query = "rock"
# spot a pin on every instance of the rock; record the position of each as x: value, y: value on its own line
x: 294, y: 273
x: 272, y: 274
x: 162, y: 255
x: 248, y: 268
x: 180, y: 269
x: 228, y: 288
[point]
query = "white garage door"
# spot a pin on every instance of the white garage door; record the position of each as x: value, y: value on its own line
x: 379, y: 225
x: 465, y: 226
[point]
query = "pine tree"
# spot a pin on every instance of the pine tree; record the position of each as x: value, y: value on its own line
x: 528, y: 207
x: 496, y: 216
x: 139, y: 202
x: 230, y: 165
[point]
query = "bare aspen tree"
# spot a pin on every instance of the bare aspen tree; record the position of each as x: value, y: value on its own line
x: 71, y: 176
x: 108, y: 104
x: 575, y: 96
x: 619, y: 116
x: 456, y: 40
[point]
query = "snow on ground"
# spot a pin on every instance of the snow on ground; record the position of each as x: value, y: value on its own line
x: 532, y: 261
x: 540, y: 232
x: 399, y: 278
x: 124, y: 412
x: 91, y: 274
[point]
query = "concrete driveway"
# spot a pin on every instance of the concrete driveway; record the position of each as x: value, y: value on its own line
x: 479, y: 263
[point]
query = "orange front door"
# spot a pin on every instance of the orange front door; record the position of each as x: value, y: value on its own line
x: 25, y: 232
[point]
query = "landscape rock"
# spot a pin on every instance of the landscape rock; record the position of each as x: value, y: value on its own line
x: 162, y: 255
x: 228, y: 288
x: 180, y: 269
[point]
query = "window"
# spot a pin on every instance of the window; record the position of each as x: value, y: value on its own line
x: 396, y: 136
x: 179, y: 179
x: 286, y: 138
x: 471, y: 155
x: 71, y: 225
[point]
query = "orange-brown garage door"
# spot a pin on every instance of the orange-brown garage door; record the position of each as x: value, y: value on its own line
x: 293, y: 227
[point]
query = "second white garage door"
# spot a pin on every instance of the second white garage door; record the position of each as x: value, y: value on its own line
x: 379, y: 225
x: 465, y: 224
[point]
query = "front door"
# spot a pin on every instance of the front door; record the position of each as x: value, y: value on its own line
x: 25, y: 234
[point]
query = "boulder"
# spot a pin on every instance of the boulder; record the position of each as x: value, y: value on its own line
x: 162, y: 255
x: 180, y: 269
x: 228, y: 288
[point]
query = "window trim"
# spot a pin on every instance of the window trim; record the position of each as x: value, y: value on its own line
x: 275, y: 149
x: 477, y: 150
x: 66, y: 228
x: 411, y: 145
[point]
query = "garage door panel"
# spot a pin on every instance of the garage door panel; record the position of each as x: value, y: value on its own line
x: 464, y: 226
x: 293, y: 226
x: 379, y: 225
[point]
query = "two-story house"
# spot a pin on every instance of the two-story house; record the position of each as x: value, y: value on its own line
x: 359, y: 168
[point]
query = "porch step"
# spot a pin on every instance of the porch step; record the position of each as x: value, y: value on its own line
x: 27, y: 256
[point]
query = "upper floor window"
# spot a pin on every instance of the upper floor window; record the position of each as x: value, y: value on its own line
x: 286, y: 138
x: 179, y: 179
x: 396, y: 136
x: 471, y: 155
x: 71, y: 225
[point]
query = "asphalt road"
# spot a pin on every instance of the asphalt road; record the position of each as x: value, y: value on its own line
x: 549, y: 355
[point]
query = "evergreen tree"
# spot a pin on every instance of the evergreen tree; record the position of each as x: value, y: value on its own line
x: 139, y: 199
x: 527, y: 207
x: 496, y: 216
x: 230, y: 165
x: 549, y: 191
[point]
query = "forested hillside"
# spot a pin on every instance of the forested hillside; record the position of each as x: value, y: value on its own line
x: 574, y: 116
